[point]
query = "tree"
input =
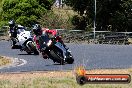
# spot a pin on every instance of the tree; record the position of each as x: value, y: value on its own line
x: 114, y: 13
x: 78, y: 5
x: 47, y: 4
x: 25, y: 12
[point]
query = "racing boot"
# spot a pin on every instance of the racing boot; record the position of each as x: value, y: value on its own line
x: 13, y: 45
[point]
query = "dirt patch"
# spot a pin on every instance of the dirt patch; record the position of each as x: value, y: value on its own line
x: 28, y: 75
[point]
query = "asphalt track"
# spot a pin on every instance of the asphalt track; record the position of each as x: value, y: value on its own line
x: 90, y: 55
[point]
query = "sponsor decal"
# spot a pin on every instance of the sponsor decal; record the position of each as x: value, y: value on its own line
x: 82, y: 77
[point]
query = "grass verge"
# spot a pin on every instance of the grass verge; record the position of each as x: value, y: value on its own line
x: 57, y: 79
x: 4, y: 61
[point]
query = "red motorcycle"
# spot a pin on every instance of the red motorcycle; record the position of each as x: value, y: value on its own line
x: 52, y: 33
x: 54, y: 49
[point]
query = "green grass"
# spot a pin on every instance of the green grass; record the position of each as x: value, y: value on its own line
x: 65, y: 82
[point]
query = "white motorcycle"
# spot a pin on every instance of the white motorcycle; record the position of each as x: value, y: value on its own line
x: 25, y: 41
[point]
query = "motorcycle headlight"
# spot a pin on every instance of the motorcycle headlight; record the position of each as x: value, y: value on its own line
x: 49, y: 43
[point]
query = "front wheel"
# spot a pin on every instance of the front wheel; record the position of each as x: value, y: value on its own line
x: 70, y: 60
x: 57, y: 57
x: 31, y: 49
x: 32, y: 46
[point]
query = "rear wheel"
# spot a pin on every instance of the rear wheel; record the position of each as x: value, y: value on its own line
x: 69, y: 58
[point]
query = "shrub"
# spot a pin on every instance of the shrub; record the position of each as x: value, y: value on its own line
x: 55, y: 21
x: 79, y: 22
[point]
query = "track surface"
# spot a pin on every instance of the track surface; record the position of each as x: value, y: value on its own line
x: 91, y: 56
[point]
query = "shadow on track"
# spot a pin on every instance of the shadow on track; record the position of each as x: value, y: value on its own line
x: 16, y: 47
x: 55, y: 64
x: 27, y: 54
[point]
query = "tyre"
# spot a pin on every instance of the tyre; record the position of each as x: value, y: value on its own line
x: 32, y: 46
x: 70, y: 60
x: 31, y: 49
x: 57, y: 57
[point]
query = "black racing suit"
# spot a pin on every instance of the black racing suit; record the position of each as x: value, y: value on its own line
x: 13, y: 31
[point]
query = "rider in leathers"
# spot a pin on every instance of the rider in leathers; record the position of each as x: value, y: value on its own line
x: 13, y: 31
x: 44, y: 32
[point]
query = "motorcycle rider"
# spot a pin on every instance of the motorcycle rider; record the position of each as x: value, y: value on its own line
x: 13, y: 31
x: 38, y: 32
x: 45, y: 32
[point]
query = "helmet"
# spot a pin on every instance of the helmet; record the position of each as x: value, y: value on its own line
x: 37, y: 29
x: 11, y: 23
